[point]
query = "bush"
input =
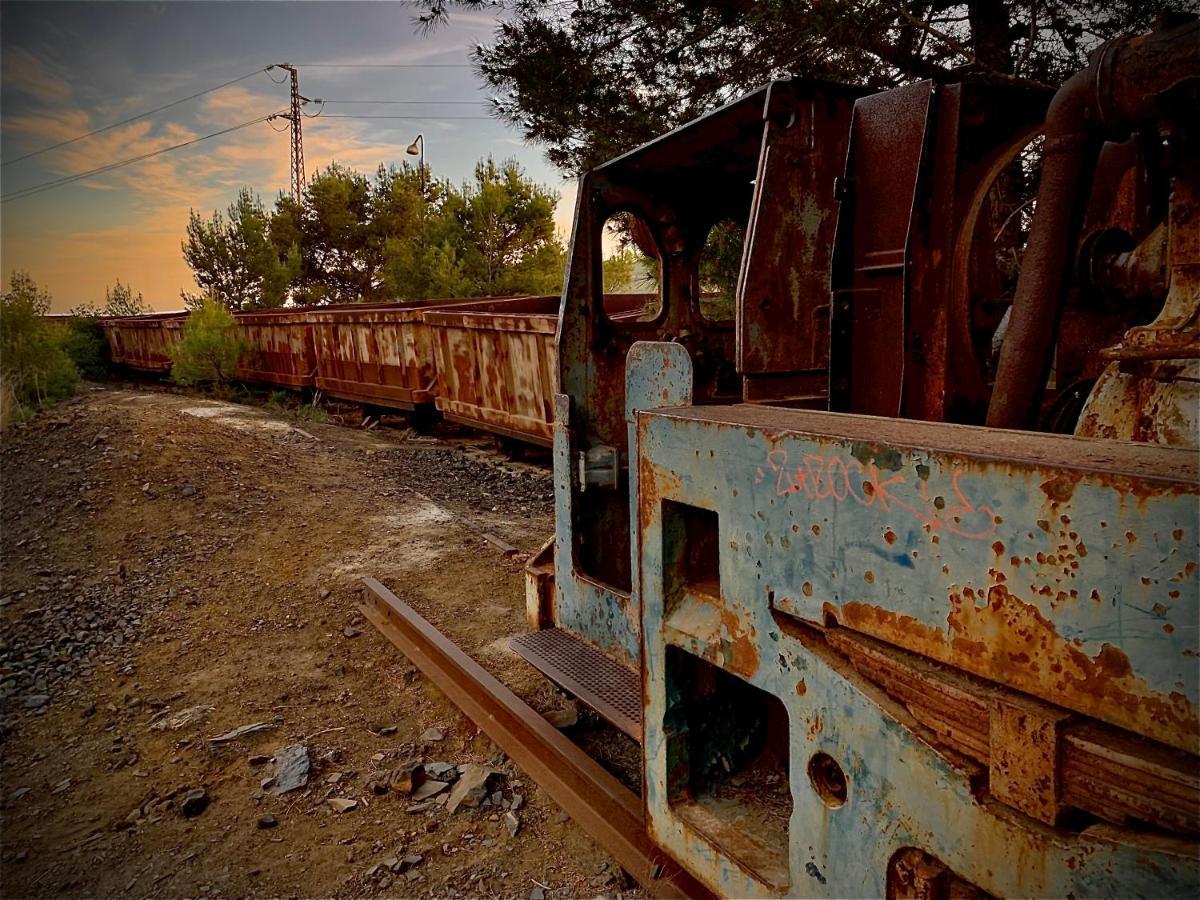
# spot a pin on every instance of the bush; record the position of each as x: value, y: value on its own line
x: 85, y: 343
x: 34, y: 368
x: 208, y: 350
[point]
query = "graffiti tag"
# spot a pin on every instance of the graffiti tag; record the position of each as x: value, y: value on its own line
x: 840, y: 479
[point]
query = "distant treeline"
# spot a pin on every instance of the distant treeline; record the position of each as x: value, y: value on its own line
x: 396, y: 236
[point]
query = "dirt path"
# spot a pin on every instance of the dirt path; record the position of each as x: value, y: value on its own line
x: 166, y: 557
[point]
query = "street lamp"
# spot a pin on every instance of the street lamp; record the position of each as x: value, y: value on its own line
x: 417, y: 148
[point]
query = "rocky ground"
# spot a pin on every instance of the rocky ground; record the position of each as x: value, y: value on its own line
x: 190, y: 703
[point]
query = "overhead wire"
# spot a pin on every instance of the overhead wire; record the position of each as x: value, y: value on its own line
x: 383, y: 65
x: 143, y: 115
x: 68, y: 179
x: 429, y: 118
x: 415, y: 102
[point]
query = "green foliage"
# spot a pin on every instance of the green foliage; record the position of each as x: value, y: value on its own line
x: 333, y: 233
x: 234, y: 259
x: 120, y: 300
x: 34, y: 368
x: 310, y: 412
x: 290, y: 402
x: 720, y: 262
x: 86, y: 345
x: 619, y: 271
x: 508, y: 242
x: 84, y: 340
x: 589, y: 80
x: 397, y: 235
x: 209, y: 347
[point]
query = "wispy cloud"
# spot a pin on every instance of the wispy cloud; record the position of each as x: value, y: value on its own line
x: 68, y: 73
x: 22, y: 71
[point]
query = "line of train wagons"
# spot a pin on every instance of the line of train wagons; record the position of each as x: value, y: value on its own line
x: 488, y: 363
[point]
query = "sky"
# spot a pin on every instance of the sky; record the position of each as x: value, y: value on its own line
x: 69, y: 68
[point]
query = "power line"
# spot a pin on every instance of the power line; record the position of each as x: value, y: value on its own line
x: 429, y: 118
x: 383, y: 65
x: 68, y: 179
x: 138, y: 116
x: 425, y: 102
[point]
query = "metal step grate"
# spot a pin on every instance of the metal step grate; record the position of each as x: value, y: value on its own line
x: 609, y: 688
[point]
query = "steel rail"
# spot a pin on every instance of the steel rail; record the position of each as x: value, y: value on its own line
x: 603, y: 807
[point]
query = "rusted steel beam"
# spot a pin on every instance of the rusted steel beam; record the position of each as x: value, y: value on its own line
x: 603, y: 807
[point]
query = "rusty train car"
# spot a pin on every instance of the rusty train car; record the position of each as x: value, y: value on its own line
x: 487, y: 363
x: 895, y: 577
x: 144, y: 342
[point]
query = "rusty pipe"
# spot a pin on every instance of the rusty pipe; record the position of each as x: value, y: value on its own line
x: 1128, y: 84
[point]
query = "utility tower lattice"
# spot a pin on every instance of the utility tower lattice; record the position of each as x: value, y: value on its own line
x: 297, y: 136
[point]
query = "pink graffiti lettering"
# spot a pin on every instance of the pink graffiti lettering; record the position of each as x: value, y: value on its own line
x: 840, y: 479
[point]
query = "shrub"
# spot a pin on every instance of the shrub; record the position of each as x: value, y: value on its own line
x: 85, y: 343
x: 209, y: 347
x: 34, y: 368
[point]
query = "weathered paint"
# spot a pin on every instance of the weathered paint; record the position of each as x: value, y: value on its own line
x: 144, y: 342
x: 277, y: 347
x: 602, y: 615
x: 496, y: 362
x: 375, y: 354
x: 1057, y: 567
x: 496, y: 365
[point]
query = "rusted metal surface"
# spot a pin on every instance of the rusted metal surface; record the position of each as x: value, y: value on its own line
x: 981, y: 629
x: 917, y: 278
x: 495, y: 365
x: 657, y: 184
x: 605, y: 809
x: 496, y: 362
x: 611, y: 690
x: 378, y: 354
x: 1131, y: 82
x: 783, y: 314
x: 1150, y: 390
x: 1025, y: 745
x: 904, y: 658
x: 144, y: 342
x: 278, y: 347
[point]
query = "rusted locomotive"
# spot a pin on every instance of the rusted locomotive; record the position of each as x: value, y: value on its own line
x: 894, y: 576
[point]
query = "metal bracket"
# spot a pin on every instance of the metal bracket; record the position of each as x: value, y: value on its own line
x: 599, y: 466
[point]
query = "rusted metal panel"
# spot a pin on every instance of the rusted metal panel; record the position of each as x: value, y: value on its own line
x: 1058, y: 576
x: 144, y: 342
x: 917, y: 276
x: 1145, y: 82
x: 278, y: 347
x: 783, y: 309
x: 657, y: 183
x: 380, y: 354
x: 496, y: 361
x: 495, y: 365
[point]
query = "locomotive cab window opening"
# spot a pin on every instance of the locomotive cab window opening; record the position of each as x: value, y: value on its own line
x: 630, y: 268
x: 719, y: 264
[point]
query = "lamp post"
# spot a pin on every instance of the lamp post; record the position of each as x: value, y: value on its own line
x: 417, y: 148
